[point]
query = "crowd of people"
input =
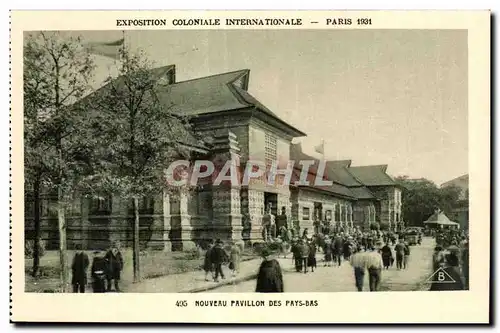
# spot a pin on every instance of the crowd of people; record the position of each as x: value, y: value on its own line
x: 216, y: 256
x: 105, y: 270
x: 269, y: 277
x: 367, y: 251
x: 451, y: 254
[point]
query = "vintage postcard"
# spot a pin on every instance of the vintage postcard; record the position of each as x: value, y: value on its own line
x: 250, y: 167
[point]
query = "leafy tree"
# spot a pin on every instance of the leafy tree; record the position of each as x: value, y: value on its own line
x: 449, y: 198
x: 135, y: 135
x: 56, y: 73
x: 421, y: 198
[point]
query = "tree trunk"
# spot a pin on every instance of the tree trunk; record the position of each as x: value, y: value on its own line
x: 36, y: 218
x: 137, y: 270
x: 63, y: 256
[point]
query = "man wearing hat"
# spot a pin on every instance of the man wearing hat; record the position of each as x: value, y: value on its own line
x: 98, y: 272
x: 79, y: 270
x: 115, y: 266
x: 218, y: 257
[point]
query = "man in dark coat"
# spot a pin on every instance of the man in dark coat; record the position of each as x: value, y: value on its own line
x: 115, y: 266
x: 337, y: 246
x: 386, y: 253
x: 297, y: 256
x: 270, y: 277
x: 348, y: 248
x: 281, y: 220
x: 79, y: 270
x: 311, y: 258
x: 98, y: 273
x: 218, y: 257
x: 207, y: 264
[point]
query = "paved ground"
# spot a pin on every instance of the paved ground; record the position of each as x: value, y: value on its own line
x: 195, y: 281
x: 332, y: 279
x: 324, y: 279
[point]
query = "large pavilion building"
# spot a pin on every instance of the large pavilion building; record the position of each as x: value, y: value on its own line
x: 234, y: 126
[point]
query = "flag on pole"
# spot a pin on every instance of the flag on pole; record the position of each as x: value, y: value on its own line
x: 110, y: 50
x: 320, y: 148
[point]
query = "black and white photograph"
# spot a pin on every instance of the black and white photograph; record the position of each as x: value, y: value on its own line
x: 106, y: 113
x: 268, y: 160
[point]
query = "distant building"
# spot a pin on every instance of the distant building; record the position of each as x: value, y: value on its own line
x: 460, y: 213
x: 235, y: 126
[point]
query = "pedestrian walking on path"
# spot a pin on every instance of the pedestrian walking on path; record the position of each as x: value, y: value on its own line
x: 207, y: 263
x: 337, y: 245
x: 358, y: 262
x: 328, y: 251
x: 406, y: 257
x: 234, y: 259
x: 79, y: 270
x: 297, y: 254
x: 348, y: 248
x: 311, y: 258
x: 98, y: 273
x: 400, y: 253
x: 270, y: 276
x: 218, y: 257
x: 304, y: 254
x: 374, y: 264
x: 438, y: 258
x: 115, y: 266
x: 387, y: 258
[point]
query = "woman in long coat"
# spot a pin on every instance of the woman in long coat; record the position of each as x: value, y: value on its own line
x: 311, y: 258
x: 208, y: 267
x: 270, y: 277
x: 234, y: 259
x: 386, y: 253
x: 328, y: 252
x: 297, y: 256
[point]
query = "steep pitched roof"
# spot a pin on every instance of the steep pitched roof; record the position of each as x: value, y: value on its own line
x: 362, y: 192
x: 335, y: 188
x: 216, y: 93
x: 339, y: 171
x: 296, y: 154
x: 203, y: 95
x: 440, y: 218
x: 159, y: 73
x: 372, y: 175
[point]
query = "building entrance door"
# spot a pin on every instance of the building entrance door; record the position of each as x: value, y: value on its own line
x: 271, y: 199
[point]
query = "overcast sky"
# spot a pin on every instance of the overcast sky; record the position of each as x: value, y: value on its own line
x: 396, y: 97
